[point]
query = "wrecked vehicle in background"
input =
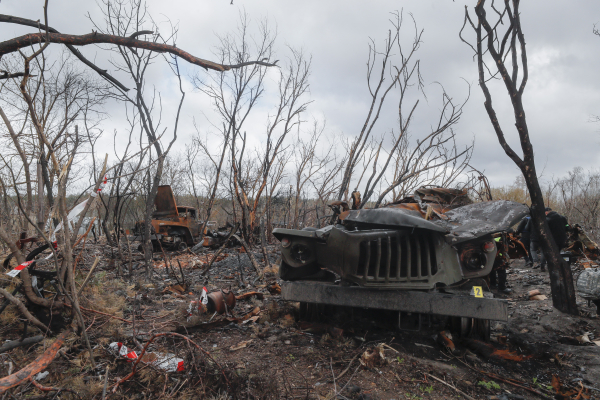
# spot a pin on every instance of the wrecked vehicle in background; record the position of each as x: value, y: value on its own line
x: 579, y: 244
x: 177, y: 227
x: 172, y: 226
x: 403, y: 255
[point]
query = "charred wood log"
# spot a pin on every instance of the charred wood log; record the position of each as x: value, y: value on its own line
x: 18, y: 343
x: 40, y: 363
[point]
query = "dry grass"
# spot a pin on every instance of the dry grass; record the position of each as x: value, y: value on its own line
x: 9, y: 316
x: 86, y: 390
x: 105, y: 296
x: 220, y: 396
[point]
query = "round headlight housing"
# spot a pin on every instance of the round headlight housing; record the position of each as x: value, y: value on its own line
x: 286, y: 242
x: 473, y: 258
x: 300, y: 252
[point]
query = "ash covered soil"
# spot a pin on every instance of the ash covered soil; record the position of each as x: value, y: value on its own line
x: 264, y: 350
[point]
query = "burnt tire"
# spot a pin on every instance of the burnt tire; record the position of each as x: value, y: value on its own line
x: 461, y: 326
x: 482, y: 329
x: 465, y: 327
x: 182, y: 246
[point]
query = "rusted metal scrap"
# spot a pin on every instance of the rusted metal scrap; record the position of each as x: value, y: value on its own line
x: 221, y: 301
x: 40, y: 363
x: 579, y: 244
x: 23, y: 239
x: 173, y: 226
x: 488, y: 350
x: 244, y: 296
x: 516, y: 249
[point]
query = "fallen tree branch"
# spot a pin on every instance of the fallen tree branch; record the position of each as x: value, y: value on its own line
x: 6, y: 301
x: 40, y: 363
x: 17, y: 343
x: 348, y: 367
x: 24, y: 311
x: 250, y: 255
x: 450, y: 386
x: 505, y: 380
x: 87, y: 278
x: 101, y: 313
x: 105, y: 383
x: 15, y: 44
x: 52, y: 389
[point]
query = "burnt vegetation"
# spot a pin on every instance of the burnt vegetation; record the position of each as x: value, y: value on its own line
x: 154, y: 267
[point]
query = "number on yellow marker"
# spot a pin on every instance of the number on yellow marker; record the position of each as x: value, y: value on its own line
x: 477, y: 291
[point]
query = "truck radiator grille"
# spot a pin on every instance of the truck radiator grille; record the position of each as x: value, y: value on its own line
x: 400, y: 257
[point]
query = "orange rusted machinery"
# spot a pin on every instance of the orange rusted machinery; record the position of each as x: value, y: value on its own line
x: 172, y: 226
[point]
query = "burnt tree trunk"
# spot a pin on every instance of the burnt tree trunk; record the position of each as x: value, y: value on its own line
x: 561, y: 279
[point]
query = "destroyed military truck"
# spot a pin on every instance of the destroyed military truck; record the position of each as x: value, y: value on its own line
x: 422, y: 255
x: 173, y: 227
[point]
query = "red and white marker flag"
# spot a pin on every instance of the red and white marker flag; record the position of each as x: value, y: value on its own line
x: 204, y: 296
x: 19, y: 268
x: 167, y: 362
x: 103, y: 185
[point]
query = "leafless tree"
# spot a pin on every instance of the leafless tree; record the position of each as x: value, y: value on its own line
x: 215, y: 167
x: 234, y: 97
x: 501, y: 53
x: 40, y: 124
x: 124, y: 18
x: 579, y: 199
x: 434, y: 152
x: 308, y: 163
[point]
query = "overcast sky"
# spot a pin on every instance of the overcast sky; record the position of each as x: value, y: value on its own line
x: 562, y: 95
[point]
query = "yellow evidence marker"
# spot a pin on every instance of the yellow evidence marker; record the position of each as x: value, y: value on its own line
x: 477, y: 291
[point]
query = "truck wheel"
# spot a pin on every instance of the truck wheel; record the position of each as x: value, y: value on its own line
x: 311, y: 311
x: 482, y: 329
x: 462, y: 326
x: 182, y: 246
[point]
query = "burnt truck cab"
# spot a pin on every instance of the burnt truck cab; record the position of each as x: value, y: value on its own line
x: 423, y: 256
x: 419, y: 245
x: 172, y: 225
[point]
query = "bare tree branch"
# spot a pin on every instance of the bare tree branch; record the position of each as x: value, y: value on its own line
x: 15, y: 44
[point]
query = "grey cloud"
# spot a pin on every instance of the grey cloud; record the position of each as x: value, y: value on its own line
x: 562, y: 93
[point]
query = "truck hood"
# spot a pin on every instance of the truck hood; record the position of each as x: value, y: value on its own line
x: 460, y: 224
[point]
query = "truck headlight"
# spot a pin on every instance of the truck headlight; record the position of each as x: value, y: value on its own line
x: 300, y: 252
x: 473, y: 258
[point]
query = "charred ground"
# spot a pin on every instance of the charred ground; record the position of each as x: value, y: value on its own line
x: 264, y: 349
